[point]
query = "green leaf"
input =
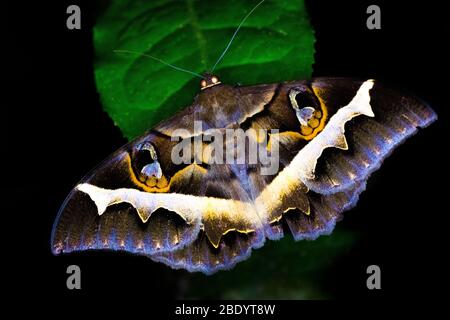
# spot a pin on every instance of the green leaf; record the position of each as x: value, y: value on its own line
x: 275, y: 44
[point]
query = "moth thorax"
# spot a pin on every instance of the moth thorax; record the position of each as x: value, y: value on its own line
x: 208, y: 81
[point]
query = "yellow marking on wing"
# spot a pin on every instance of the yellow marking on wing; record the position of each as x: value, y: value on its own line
x: 216, y: 243
x: 315, y: 125
x: 236, y: 218
x: 161, y: 185
x: 323, y: 115
x: 306, y: 131
x: 278, y: 218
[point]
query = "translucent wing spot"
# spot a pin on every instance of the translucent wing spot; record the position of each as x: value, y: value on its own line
x: 307, y: 109
x: 147, y: 167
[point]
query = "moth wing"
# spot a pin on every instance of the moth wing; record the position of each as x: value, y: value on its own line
x: 322, y: 176
x: 325, y: 212
x: 198, y: 213
x: 79, y: 226
x: 369, y: 140
x: 201, y: 256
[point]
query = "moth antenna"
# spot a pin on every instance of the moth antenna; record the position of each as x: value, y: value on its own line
x: 234, y: 35
x: 161, y: 61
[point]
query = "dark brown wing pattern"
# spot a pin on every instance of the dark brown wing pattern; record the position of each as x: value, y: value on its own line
x: 327, y: 136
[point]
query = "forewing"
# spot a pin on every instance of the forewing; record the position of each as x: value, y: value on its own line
x: 370, y: 140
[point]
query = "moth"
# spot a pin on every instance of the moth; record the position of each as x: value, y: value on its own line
x: 327, y: 136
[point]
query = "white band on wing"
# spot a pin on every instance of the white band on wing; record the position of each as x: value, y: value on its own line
x: 193, y: 209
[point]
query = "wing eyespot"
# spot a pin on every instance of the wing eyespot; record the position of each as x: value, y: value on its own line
x: 309, y: 111
x: 146, y: 166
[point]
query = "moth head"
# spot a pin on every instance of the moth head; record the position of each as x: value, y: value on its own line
x: 308, y: 109
x: 209, y: 80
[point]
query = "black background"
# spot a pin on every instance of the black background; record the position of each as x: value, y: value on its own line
x: 57, y: 132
